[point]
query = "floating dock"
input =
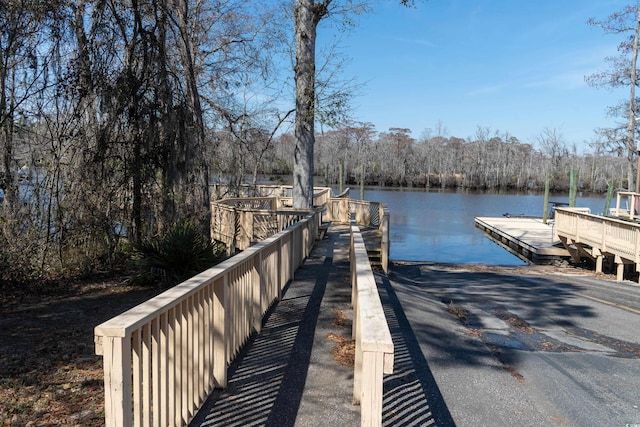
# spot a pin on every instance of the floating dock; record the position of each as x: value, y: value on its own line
x: 527, y: 238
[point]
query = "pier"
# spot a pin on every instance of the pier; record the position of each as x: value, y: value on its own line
x: 527, y: 238
x: 574, y: 234
x: 164, y: 358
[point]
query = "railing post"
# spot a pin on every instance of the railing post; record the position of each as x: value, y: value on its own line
x: 371, y: 403
x: 117, y: 381
x: 344, y: 213
x: 279, y: 274
x: 220, y: 331
x: 384, y: 241
x: 257, y: 285
x: 248, y: 228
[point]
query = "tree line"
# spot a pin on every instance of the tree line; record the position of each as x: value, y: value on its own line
x: 490, y: 160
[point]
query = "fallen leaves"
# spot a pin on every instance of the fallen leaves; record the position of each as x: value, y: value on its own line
x: 49, y: 374
x: 345, y: 349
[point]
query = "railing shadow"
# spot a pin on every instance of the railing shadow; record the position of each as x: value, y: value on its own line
x: 428, y: 293
x: 411, y: 395
x: 267, y: 379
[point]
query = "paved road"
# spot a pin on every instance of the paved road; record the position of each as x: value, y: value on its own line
x: 507, y: 348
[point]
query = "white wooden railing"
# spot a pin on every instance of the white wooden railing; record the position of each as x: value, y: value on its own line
x: 599, y: 237
x: 321, y: 195
x: 632, y: 204
x: 609, y: 235
x: 365, y: 213
x: 374, y: 347
x: 242, y: 222
x: 163, y: 358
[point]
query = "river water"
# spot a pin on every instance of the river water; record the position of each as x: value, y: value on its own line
x: 438, y: 226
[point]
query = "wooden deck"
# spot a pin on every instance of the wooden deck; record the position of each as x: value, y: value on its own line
x: 527, y: 238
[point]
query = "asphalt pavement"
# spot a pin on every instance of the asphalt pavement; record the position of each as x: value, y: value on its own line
x: 520, y: 347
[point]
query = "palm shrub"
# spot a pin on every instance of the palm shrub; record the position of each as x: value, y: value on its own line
x: 183, y: 251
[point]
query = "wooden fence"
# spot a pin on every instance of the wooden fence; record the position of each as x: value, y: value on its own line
x: 598, y: 236
x: 321, y: 195
x: 366, y: 214
x: 374, y: 347
x: 242, y: 222
x: 164, y: 357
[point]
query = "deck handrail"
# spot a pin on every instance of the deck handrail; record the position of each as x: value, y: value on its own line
x: 374, y: 347
x: 366, y: 214
x: 242, y: 222
x: 163, y: 357
x: 604, y: 236
x: 610, y: 235
x: 321, y: 195
x: 630, y: 212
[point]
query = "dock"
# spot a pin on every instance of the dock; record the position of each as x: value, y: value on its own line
x: 527, y: 238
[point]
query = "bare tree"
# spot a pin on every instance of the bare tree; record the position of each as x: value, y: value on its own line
x: 623, y: 72
x: 307, y: 16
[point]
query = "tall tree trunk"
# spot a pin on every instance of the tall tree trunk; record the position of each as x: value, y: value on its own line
x: 631, y: 128
x: 307, y: 16
x: 8, y: 178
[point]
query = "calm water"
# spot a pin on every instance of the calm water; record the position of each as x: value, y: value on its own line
x: 438, y: 226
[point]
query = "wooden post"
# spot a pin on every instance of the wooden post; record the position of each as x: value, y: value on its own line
x: 619, y: 268
x: 597, y: 254
x: 545, y: 203
x: 220, y: 331
x: 371, y: 391
x: 573, y: 187
x: 384, y: 241
x: 607, y: 202
x: 362, y: 182
x: 341, y: 175
x: 117, y: 381
x: 256, y: 285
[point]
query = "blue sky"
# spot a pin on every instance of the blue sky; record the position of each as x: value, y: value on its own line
x: 515, y: 66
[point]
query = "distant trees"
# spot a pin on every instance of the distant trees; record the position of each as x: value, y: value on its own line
x: 490, y: 160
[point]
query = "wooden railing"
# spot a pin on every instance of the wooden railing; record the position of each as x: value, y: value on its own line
x: 321, y: 195
x: 630, y: 211
x: 374, y: 347
x: 366, y: 214
x: 242, y: 222
x: 603, y: 236
x: 163, y: 358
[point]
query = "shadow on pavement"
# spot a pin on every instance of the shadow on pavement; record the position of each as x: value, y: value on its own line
x: 428, y: 293
x: 411, y: 395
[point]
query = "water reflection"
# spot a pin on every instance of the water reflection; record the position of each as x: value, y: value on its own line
x: 439, y: 226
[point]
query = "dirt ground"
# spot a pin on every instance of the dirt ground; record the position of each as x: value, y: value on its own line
x: 49, y: 373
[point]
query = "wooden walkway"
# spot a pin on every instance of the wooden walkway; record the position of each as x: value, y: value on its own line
x: 527, y: 238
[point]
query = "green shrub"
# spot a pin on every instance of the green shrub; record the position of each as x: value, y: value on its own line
x: 182, y: 252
